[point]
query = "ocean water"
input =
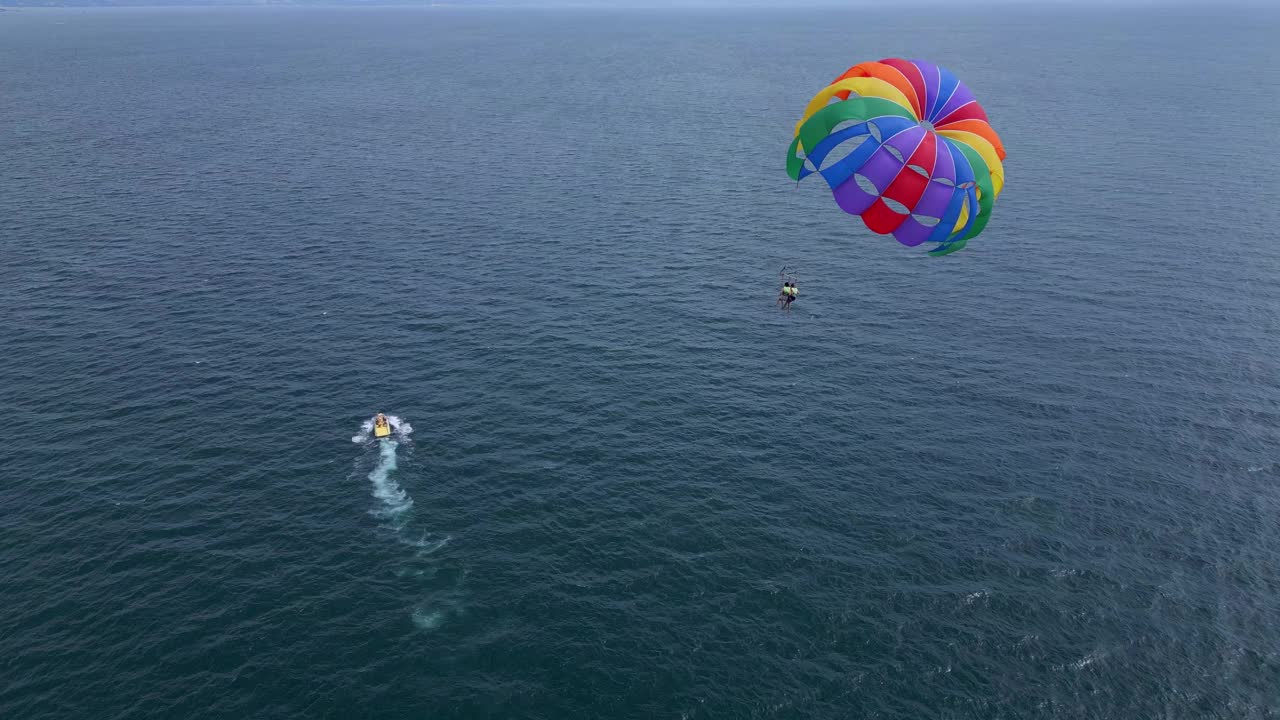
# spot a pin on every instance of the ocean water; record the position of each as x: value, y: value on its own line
x: 1039, y: 478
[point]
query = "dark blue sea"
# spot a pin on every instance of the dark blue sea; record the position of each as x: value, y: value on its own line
x: 1039, y: 478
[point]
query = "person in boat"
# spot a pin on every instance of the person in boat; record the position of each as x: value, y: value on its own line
x: 380, y: 420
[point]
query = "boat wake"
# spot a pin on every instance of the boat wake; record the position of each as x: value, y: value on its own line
x: 393, y: 500
x: 393, y: 506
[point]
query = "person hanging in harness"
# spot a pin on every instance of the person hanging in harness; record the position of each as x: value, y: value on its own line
x: 790, y: 290
x: 788, y: 295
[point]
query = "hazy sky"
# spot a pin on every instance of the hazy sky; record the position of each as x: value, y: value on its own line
x: 779, y: 4
x: 639, y: 3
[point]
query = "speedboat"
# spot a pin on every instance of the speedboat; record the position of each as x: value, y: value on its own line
x: 381, y: 426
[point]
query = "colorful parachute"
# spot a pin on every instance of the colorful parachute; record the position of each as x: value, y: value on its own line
x: 907, y: 147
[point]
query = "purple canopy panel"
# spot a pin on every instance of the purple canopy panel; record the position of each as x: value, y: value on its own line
x: 960, y: 97
x: 933, y: 203
x: 932, y: 83
x: 880, y: 169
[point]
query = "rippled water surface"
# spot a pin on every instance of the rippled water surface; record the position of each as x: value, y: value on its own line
x: 1036, y: 479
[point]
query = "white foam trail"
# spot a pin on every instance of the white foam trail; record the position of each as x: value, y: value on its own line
x: 444, y: 607
x: 399, y: 426
x: 426, y: 547
x: 366, y: 432
x: 393, y: 497
x: 393, y: 505
x: 427, y: 619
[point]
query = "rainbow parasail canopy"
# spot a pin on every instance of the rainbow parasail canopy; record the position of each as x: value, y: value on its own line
x: 905, y: 145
